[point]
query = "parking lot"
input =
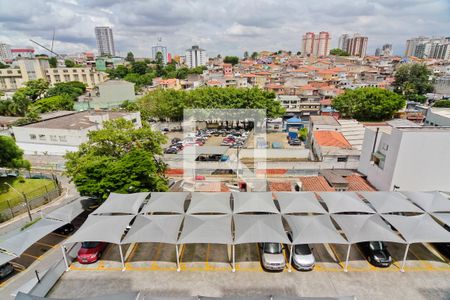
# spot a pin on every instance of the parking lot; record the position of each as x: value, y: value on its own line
x: 212, y: 257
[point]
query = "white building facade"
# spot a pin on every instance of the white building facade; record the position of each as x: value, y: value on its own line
x: 105, y: 41
x: 196, y: 57
x: 5, y: 52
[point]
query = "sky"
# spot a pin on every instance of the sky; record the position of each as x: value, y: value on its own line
x: 228, y: 27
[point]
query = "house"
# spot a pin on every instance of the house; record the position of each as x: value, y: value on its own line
x: 438, y: 116
x: 63, y: 133
x: 410, y: 158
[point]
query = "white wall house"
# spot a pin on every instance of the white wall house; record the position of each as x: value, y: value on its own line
x: 415, y: 159
x: 59, y: 135
x: 196, y: 57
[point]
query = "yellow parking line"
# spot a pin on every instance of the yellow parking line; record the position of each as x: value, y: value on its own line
x: 133, y: 252
x: 32, y: 256
x: 44, y: 244
x: 336, y: 255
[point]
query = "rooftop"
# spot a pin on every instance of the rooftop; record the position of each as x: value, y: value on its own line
x: 324, y: 120
x: 331, y: 139
x: 315, y: 184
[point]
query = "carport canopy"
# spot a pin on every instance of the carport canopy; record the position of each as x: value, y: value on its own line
x: 366, y: 228
x: 259, y: 229
x: 430, y: 201
x: 419, y: 229
x: 254, y: 202
x: 121, y: 204
x: 122, y: 296
x: 166, y: 202
x: 344, y: 202
x: 210, y: 202
x: 207, y: 229
x: 101, y: 229
x: 443, y: 217
x: 390, y: 202
x: 299, y: 202
x: 154, y: 229
x: 313, y: 230
x: 4, y: 258
x: 67, y: 212
x: 22, y: 240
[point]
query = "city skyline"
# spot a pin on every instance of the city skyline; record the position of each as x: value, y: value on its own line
x: 224, y: 29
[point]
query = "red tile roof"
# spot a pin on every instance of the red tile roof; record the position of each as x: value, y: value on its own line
x: 357, y: 183
x: 280, y: 186
x: 315, y: 184
x: 331, y: 139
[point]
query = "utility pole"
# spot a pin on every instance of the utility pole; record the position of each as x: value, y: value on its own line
x: 24, y: 198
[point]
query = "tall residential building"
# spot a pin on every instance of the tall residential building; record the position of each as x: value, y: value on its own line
x: 105, y: 41
x: 386, y: 50
x: 357, y: 45
x: 196, y: 57
x: 343, y: 41
x: 316, y: 44
x: 5, y: 52
x: 162, y: 49
x: 425, y: 47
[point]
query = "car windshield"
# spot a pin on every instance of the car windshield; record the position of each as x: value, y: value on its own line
x: 302, y: 249
x: 272, y: 248
x: 89, y: 245
x: 376, y: 246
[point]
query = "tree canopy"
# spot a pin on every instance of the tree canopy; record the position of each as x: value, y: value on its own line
x: 69, y: 63
x: 118, y: 158
x: 339, y: 52
x: 231, y: 60
x: 413, y: 81
x: 130, y: 57
x: 169, y: 104
x: 3, y: 66
x: 368, y: 104
x: 11, y: 156
x: 53, y: 62
x: 54, y: 103
x: 442, y: 103
x: 254, y: 55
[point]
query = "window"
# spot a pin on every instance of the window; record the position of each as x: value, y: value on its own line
x: 53, y: 138
x: 32, y: 136
x: 342, y: 159
x: 62, y: 138
x: 42, y: 137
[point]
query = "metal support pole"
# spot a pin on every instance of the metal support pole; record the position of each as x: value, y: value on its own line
x: 290, y: 258
x: 234, y: 259
x: 178, y: 258
x: 10, y: 208
x: 27, y: 205
x: 121, y: 257
x: 346, y: 259
x: 65, y: 257
x: 404, y: 259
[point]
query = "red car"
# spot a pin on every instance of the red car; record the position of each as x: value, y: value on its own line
x: 90, y: 252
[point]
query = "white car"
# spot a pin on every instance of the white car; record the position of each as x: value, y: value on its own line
x: 302, y: 257
x: 272, y: 257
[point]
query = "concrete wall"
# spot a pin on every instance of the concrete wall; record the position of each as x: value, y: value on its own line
x: 434, y: 119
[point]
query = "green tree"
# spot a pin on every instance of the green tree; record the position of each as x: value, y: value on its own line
x: 11, y: 156
x: 339, y: 52
x: 118, y: 158
x: 368, y: 104
x: 246, y: 55
x: 413, y: 81
x: 254, y: 55
x: 130, y: 57
x: 120, y: 72
x: 69, y: 63
x: 35, y: 89
x: 31, y: 116
x: 74, y: 89
x: 53, y: 62
x: 55, y: 103
x: 442, y: 103
x: 303, y: 133
x: 231, y: 60
x: 3, y: 66
x: 139, y: 67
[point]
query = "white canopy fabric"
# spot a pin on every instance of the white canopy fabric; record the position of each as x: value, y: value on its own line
x: 211, y: 229
x: 210, y: 202
x: 121, y: 296
x: 22, y: 240
x: 430, y: 201
x: 419, y: 229
x: 299, y: 202
x: 313, y: 230
x: 154, y: 229
x: 121, y: 204
x: 67, y: 212
x: 443, y: 217
x: 167, y: 202
x: 390, y: 202
x: 254, y: 202
x: 259, y: 229
x: 101, y: 229
x: 366, y: 228
x: 338, y: 202
x: 4, y: 258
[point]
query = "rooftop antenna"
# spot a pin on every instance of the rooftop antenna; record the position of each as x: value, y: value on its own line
x: 53, y: 38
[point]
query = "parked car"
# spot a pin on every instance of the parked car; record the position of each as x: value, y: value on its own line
x: 5, y: 270
x: 90, y: 252
x: 171, y: 150
x: 272, y: 257
x: 443, y: 248
x: 66, y: 229
x: 175, y: 140
x: 295, y: 142
x: 376, y: 253
x: 302, y: 257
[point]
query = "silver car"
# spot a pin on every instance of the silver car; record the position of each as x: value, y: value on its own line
x: 272, y: 257
x: 302, y: 257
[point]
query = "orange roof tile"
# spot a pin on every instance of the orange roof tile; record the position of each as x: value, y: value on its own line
x: 315, y: 184
x: 357, y: 183
x: 280, y: 186
x: 330, y: 138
